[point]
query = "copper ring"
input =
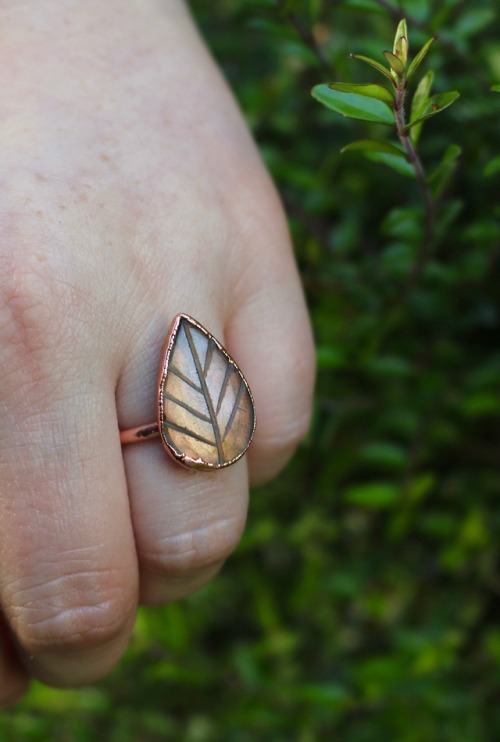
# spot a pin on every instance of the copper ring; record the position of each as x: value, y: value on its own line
x: 205, y: 409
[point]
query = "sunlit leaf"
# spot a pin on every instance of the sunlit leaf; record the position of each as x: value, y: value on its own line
x: 376, y: 65
x: 400, y: 48
x: 435, y: 105
x: 495, y: 88
x: 369, y: 91
x: 419, y: 58
x: 353, y: 106
x: 372, y: 495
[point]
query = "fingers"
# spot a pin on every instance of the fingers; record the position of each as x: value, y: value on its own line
x: 68, y: 573
x: 186, y: 523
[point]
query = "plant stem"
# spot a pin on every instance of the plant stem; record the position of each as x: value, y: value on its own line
x: 415, y: 162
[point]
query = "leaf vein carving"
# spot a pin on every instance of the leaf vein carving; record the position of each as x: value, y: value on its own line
x: 185, y: 378
x: 188, y: 408
x: 190, y: 433
x: 208, y: 357
x: 223, y: 388
x: 237, y: 401
x: 206, y: 392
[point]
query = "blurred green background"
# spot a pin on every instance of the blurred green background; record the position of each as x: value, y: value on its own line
x: 364, y: 601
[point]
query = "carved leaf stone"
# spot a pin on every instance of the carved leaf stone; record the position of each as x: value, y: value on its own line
x: 206, y: 415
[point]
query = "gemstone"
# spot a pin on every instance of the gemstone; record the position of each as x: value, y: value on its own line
x: 206, y: 414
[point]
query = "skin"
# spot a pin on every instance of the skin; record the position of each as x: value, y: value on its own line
x: 130, y: 190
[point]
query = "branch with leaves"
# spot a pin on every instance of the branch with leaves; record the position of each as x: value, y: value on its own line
x: 387, y: 105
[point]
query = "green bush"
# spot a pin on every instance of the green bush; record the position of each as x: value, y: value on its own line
x: 362, y: 604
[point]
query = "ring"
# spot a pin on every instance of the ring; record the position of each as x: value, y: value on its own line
x: 206, y: 415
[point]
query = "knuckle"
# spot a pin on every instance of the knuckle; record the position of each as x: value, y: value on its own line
x: 30, y: 332
x: 193, y: 551
x: 72, y: 612
x: 40, y: 306
x: 37, y: 326
x: 25, y: 316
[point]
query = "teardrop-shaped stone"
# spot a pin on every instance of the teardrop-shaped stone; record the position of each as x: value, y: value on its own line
x: 206, y: 414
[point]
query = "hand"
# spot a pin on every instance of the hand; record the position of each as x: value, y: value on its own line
x: 130, y: 191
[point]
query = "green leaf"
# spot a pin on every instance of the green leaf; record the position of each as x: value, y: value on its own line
x: 372, y: 495
x: 442, y: 175
x: 328, y: 357
x: 398, y: 258
x: 422, y: 95
x: 419, y: 58
x: 400, y: 48
x: 330, y: 695
x: 435, y: 105
x: 395, y: 63
x: 420, y: 102
x: 372, y: 145
x: 420, y: 487
x: 395, y: 162
x: 402, y: 223
x: 495, y: 88
x: 369, y: 91
x: 481, y: 404
x: 492, y: 167
x: 353, y: 106
x: 383, y: 152
x: 390, y: 367
x: 376, y: 65
x: 384, y: 455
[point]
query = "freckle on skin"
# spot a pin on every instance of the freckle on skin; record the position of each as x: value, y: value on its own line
x: 40, y: 177
x: 39, y: 214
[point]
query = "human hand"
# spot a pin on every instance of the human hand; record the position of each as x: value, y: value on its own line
x: 130, y: 191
